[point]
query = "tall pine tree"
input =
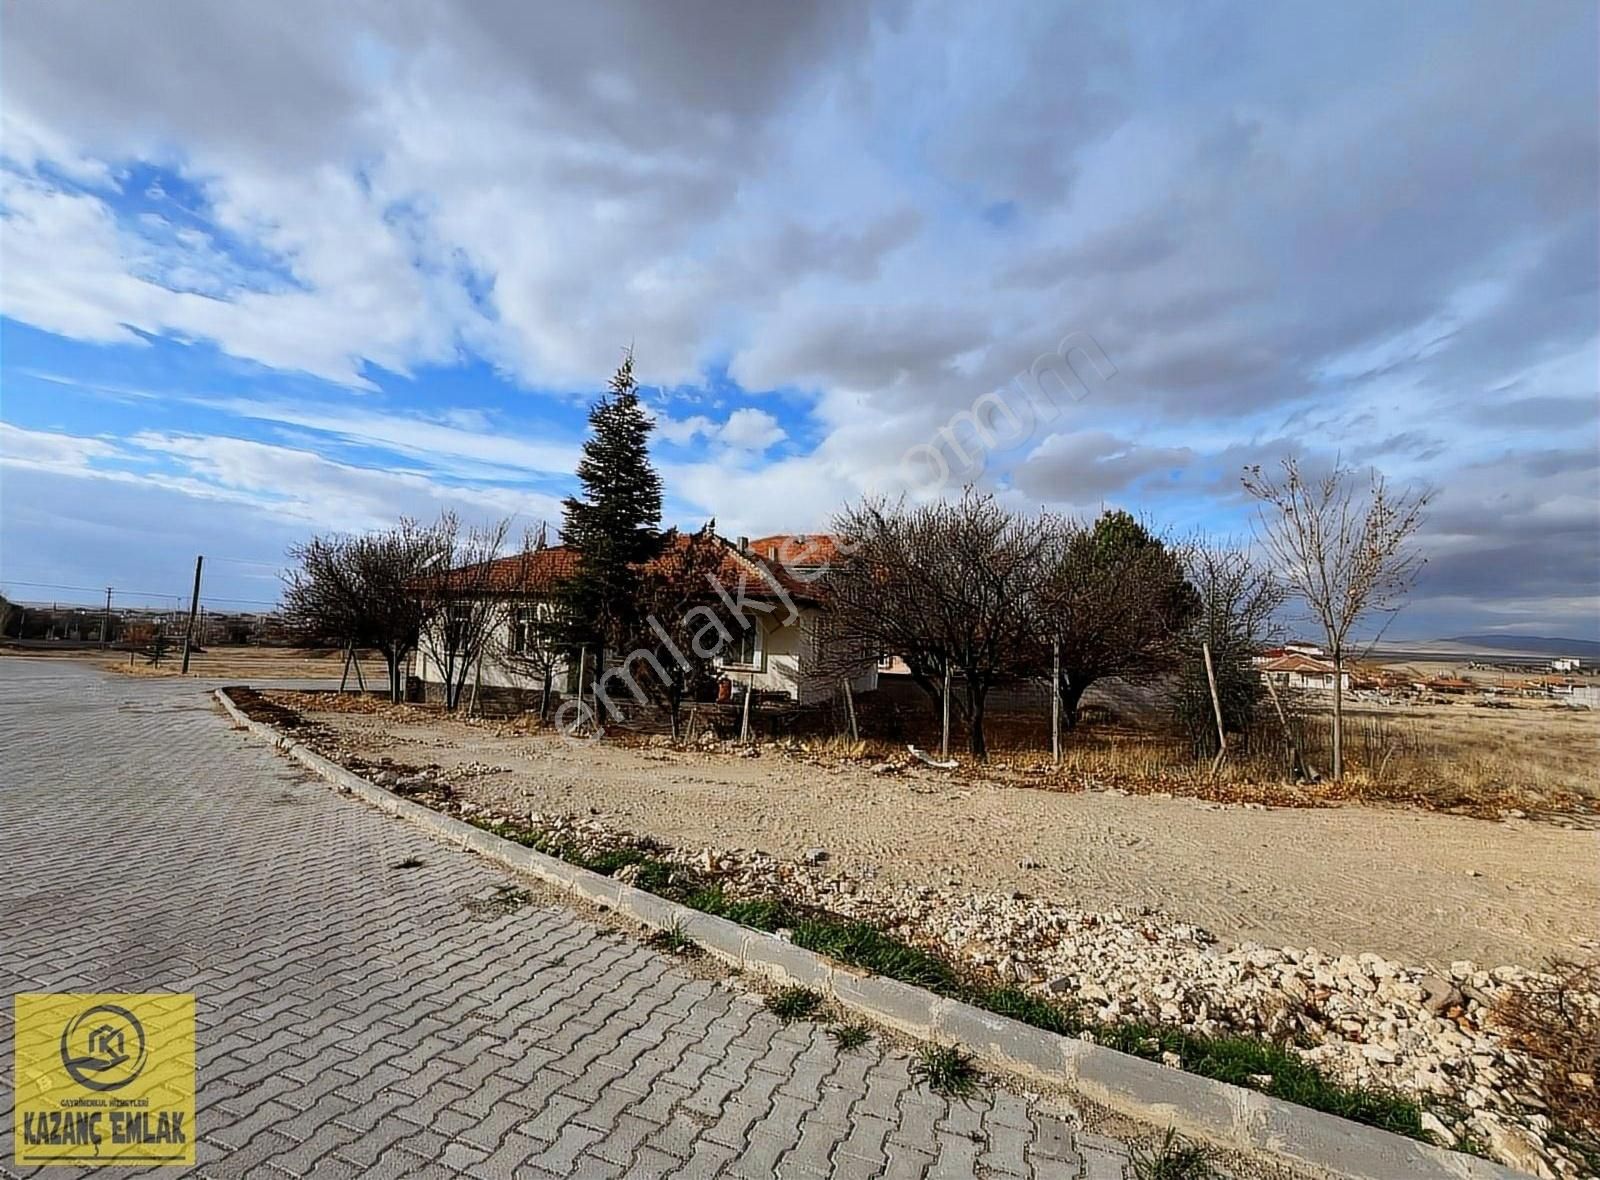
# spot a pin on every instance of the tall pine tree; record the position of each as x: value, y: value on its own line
x: 616, y: 524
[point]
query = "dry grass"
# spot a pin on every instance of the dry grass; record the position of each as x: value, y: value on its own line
x: 1557, y: 1022
x: 243, y: 663
x: 1536, y: 757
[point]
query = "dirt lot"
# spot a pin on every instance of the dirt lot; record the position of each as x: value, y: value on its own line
x: 240, y: 662
x: 1409, y: 884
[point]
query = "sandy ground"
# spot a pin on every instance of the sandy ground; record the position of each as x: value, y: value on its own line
x: 222, y: 661
x: 1417, y: 886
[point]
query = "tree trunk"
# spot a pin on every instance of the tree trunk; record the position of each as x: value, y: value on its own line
x: 976, y: 745
x: 1338, y: 715
x: 391, y: 657
x: 1071, y: 693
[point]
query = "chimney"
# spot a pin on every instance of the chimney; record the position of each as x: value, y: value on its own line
x: 744, y: 544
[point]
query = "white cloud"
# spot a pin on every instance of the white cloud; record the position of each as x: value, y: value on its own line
x: 751, y: 430
x: 45, y: 450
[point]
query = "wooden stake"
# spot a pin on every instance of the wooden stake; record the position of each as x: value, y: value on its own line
x: 194, y: 605
x: 944, y: 737
x: 1297, y: 762
x: 583, y: 673
x: 1216, y: 707
x: 344, y: 673
x: 744, y: 720
x: 850, y: 708
x: 1055, y: 700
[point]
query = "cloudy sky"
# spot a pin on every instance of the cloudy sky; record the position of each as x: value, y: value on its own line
x: 275, y: 268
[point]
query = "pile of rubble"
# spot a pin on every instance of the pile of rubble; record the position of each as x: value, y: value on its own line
x: 1361, y: 1018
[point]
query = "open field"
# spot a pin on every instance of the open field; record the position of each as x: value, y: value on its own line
x: 241, y: 662
x: 1532, y: 755
x: 1410, y: 884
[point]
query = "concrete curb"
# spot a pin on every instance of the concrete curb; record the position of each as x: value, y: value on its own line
x: 1228, y: 1116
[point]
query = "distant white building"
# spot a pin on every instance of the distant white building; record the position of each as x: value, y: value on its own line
x: 1566, y: 664
x: 1292, y: 670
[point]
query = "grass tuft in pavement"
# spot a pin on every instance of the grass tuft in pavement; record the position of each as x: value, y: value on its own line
x: 850, y: 1035
x: 674, y: 941
x: 794, y: 1003
x: 946, y: 1070
x: 1174, y: 1158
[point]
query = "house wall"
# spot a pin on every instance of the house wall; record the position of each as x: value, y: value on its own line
x: 791, y: 660
x: 496, y: 672
x: 1309, y: 681
x: 788, y: 666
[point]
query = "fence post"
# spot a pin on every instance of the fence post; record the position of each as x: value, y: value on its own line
x: 1055, y: 699
x: 1216, y: 707
x: 944, y: 739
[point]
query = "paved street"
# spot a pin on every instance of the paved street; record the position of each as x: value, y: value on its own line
x: 357, y: 1018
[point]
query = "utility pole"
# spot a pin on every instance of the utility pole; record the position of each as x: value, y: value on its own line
x: 194, y: 606
x: 105, y: 622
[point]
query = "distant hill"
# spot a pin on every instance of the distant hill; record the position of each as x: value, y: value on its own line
x: 1544, y: 645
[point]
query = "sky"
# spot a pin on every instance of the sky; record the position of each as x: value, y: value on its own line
x: 275, y: 269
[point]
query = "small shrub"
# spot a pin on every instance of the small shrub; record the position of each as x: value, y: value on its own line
x: 794, y: 1003
x: 1175, y: 1158
x: 850, y: 1035
x: 946, y: 1070
x: 410, y: 862
x: 674, y: 941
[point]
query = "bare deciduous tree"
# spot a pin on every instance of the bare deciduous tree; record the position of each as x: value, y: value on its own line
x: 464, y: 603
x: 1342, y: 545
x: 1237, y: 598
x: 945, y: 586
x: 360, y: 591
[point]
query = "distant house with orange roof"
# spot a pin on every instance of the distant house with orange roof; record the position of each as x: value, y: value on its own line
x: 1293, y: 670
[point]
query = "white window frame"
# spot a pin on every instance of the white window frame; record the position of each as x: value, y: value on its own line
x: 758, y: 649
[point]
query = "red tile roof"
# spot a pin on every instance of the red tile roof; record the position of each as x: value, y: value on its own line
x: 1295, y: 662
x: 542, y: 570
x: 797, y: 550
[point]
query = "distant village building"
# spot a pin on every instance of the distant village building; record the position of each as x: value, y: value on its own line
x: 1566, y: 664
x: 1293, y: 670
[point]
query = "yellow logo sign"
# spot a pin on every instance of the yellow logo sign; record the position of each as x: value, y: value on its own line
x: 104, y: 1078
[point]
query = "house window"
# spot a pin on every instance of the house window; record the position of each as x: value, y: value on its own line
x: 457, y: 624
x: 524, y: 630
x: 745, y: 651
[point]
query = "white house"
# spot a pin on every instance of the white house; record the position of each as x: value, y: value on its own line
x: 1293, y: 670
x: 767, y: 594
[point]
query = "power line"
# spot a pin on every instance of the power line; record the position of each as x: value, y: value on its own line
x: 97, y: 590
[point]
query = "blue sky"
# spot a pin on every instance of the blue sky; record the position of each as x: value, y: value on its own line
x: 270, y: 270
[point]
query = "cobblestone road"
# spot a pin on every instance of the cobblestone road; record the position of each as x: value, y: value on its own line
x: 357, y: 1018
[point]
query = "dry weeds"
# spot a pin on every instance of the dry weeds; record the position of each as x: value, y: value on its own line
x: 1556, y: 1021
